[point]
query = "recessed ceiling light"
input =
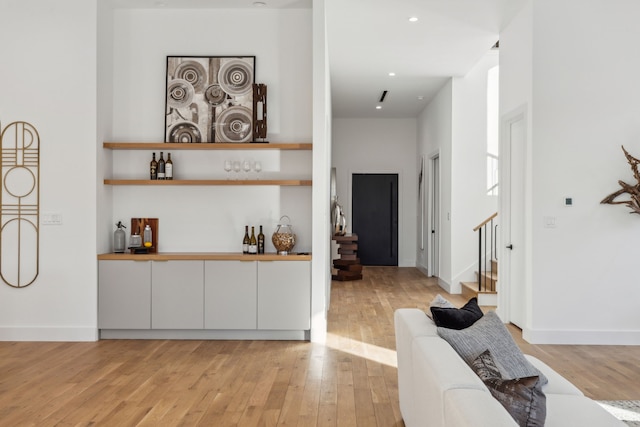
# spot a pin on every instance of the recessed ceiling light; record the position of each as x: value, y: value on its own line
x: 259, y: 4
x: 413, y: 19
x: 392, y: 74
x: 420, y: 97
x: 378, y: 107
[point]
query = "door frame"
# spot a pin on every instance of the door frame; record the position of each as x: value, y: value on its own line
x: 434, y: 215
x: 349, y: 209
x: 505, y: 307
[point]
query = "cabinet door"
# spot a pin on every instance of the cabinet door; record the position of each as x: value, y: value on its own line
x: 124, y: 295
x: 284, y: 295
x: 177, y: 296
x: 230, y: 295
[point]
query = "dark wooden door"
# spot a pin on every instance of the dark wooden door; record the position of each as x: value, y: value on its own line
x: 374, y: 206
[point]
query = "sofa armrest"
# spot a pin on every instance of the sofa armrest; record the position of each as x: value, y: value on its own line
x: 468, y: 407
x: 437, y: 368
x: 557, y: 383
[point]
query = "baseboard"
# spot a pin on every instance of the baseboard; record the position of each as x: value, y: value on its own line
x: 581, y: 337
x: 48, y: 334
x: 450, y: 288
x: 203, y: 334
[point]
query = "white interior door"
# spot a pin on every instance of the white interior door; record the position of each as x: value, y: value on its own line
x: 434, y: 214
x: 515, y: 133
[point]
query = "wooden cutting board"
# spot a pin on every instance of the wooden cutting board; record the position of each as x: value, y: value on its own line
x: 137, y: 227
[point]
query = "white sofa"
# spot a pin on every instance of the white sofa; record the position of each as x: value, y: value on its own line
x: 437, y: 388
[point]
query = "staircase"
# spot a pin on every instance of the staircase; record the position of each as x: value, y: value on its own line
x: 485, y: 288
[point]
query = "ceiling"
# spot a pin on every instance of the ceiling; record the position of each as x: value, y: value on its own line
x: 368, y: 39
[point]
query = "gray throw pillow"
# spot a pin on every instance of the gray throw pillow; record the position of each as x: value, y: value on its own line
x: 523, y: 398
x: 489, y: 333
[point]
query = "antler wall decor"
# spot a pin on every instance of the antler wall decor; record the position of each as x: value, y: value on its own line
x: 632, y: 190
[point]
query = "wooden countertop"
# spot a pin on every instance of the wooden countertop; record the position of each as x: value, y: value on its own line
x: 213, y: 256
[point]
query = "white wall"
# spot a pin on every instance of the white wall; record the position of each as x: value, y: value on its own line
x: 454, y: 127
x: 213, y: 218
x: 48, y: 77
x: 470, y: 204
x: 584, y: 106
x: 380, y: 146
x: 434, y: 139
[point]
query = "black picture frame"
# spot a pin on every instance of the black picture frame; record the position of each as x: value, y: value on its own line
x: 209, y: 99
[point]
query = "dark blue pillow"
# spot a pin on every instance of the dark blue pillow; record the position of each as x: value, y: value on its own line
x: 457, y: 318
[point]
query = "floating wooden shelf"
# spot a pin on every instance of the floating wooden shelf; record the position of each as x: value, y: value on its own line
x: 243, y: 182
x: 171, y: 146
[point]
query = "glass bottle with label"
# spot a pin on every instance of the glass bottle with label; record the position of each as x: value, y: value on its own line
x: 260, y: 242
x: 161, y: 167
x: 168, y: 168
x: 253, y: 243
x: 153, y: 168
x: 246, y: 240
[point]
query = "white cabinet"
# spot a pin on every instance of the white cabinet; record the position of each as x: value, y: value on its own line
x: 124, y: 295
x: 284, y: 295
x: 230, y: 295
x: 177, y: 295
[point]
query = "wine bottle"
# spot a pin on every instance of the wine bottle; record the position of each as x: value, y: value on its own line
x: 260, y: 242
x: 253, y: 243
x: 153, y: 168
x: 161, y: 167
x: 168, y: 168
x: 245, y: 241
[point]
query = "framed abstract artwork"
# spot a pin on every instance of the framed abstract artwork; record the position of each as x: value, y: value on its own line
x: 209, y: 99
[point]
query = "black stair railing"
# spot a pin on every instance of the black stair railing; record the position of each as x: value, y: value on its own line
x: 487, y: 244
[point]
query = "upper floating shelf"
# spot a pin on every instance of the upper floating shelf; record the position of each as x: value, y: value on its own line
x: 166, y: 146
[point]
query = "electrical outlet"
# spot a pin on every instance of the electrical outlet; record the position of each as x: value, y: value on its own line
x: 52, y: 218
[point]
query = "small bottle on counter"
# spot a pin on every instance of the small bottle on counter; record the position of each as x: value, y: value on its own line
x: 246, y: 240
x: 168, y: 168
x: 153, y: 168
x: 260, y: 242
x: 253, y: 243
x: 146, y: 236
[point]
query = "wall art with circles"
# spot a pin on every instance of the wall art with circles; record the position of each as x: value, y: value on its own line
x: 209, y: 99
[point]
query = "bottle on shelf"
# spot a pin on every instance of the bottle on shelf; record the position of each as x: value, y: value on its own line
x: 161, y: 167
x: 260, y: 242
x: 253, y: 243
x: 153, y: 168
x: 246, y: 240
x: 168, y: 168
x: 146, y: 236
x: 119, y: 238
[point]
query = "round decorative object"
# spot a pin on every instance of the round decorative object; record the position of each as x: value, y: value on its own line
x: 215, y: 95
x: 19, y: 181
x: 192, y: 72
x: 236, y: 77
x: 283, y: 238
x: 185, y: 132
x: 179, y: 93
x: 234, y: 125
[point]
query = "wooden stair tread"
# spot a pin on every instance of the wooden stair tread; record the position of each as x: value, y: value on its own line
x: 473, y: 286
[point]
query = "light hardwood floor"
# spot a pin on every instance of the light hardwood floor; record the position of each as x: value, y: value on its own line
x: 350, y: 381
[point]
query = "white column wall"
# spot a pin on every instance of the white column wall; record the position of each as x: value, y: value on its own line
x: 584, y: 106
x: 48, y: 78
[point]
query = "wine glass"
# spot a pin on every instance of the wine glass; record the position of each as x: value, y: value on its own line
x: 236, y: 167
x: 257, y: 166
x: 246, y: 167
x: 227, y: 167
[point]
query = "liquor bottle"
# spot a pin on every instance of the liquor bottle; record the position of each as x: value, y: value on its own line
x: 161, y: 167
x: 168, y: 168
x: 153, y: 168
x: 246, y: 241
x: 253, y: 243
x: 260, y: 242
